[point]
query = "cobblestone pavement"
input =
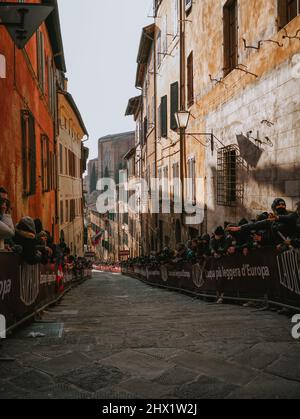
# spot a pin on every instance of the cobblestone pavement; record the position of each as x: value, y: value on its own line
x: 115, y: 337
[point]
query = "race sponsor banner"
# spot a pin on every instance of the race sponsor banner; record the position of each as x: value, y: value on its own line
x: 26, y: 288
x: 263, y: 274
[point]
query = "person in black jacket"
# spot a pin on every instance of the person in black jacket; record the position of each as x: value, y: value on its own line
x: 26, y: 237
x: 276, y: 229
x: 220, y: 244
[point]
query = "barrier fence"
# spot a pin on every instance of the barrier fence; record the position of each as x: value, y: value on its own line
x: 262, y: 275
x: 106, y: 268
x: 24, y: 289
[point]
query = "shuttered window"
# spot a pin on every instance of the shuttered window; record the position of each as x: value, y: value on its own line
x: 174, y: 104
x: 61, y: 168
x: 230, y: 36
x: 164, y: 117
x: 41, y: 59
x: 45, y: 164
x: 28, y: 152
x: 287, y: 11
x: 190, y: 79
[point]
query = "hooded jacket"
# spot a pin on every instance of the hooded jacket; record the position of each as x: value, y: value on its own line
x: 7, y: 230
x: 26, y: 237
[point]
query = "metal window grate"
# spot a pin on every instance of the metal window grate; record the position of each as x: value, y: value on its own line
x: 230, y: 189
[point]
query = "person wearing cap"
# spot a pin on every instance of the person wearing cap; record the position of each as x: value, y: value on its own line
x: 278, y: 227
x: 220, y: 244
x: 26, y: 237
x: 204, y: 246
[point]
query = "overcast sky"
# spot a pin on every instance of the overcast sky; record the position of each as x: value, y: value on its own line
x: 101, y: 39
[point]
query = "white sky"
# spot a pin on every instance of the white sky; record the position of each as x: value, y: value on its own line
x: 101, y: 39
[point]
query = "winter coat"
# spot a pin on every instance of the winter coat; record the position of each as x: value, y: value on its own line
x: 7, y: 229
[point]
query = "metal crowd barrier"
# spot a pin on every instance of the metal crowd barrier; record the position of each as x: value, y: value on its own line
x: 25, y: 290
x: 264, y: 276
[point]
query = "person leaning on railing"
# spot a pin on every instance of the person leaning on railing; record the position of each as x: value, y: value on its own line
x: 7, y: 229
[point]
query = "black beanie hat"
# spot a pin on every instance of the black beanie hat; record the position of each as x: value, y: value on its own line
x: 220, y: 231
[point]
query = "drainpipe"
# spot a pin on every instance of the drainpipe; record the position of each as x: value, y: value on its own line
x: 182, y: 103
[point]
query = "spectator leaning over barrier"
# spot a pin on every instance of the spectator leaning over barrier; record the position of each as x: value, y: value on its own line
x: 221, y: 244
x: 204, y: 246
x: 7, y: 230
x: 26, y: 237
x: 42, y: 247
x: 276, y: 229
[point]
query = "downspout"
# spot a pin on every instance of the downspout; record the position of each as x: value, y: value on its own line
x: 182, y: 104
x: 82, y: 204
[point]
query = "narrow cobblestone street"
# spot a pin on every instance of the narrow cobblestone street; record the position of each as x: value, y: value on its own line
x: 114, y: 337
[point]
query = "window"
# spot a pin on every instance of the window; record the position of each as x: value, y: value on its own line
x: 190, y: 77
x: 174, y: 104
x: 164, y: 117
x: 28, y: 152
x: 67, y: 212
x: 287, y: 11
x: 175, y: 18
x: 230, y: 36
x: 192, y: 199
x: 227, y: 187
x: 176, y: 182
x: 61, y: 168
x: 159, y: 53
x: 61, y: 212
x: 45, y: 163
x: 41, y: 59
x: 51, y: 87
x: 165, y: 35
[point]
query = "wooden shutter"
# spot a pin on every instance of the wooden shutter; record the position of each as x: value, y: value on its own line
x: 174, y: 104
x: 32, y: 154
x: 230, y: 36
x: 24, y: 130
x: 164, y: 116
x: 41, y: 59
x: 190, y: 81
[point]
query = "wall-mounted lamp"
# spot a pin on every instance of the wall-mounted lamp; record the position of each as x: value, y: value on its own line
x: 23, y: 19
x: 182, y: 119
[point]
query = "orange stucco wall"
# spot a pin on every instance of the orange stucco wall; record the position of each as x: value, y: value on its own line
x: 20, y: 91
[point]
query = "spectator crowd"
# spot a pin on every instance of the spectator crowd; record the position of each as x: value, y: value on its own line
x: 279, y: 229
x: 29, y: 240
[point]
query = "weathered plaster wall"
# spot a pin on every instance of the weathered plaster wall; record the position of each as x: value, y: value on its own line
x: 241, y: 102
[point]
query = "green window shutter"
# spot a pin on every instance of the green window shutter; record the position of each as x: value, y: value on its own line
x: 174, y: 104
x: 164, y: 116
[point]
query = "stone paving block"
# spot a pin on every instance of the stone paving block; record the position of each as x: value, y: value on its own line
x: 286, y: 367
x: 114, y: 393
x: 256, y: 358
x: 93, y: 378
x: 32, y: 381
x: 160, y: 353
x: 177, y: 376
x: 61, y: 364
x: 137, y: 363
x: 58, y: 392
x: 9, y: 391
x: 10, y: 370
x: 205, y: 388
x: 147, y: 389
x: 266, y: 386
x: 215, y: 367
